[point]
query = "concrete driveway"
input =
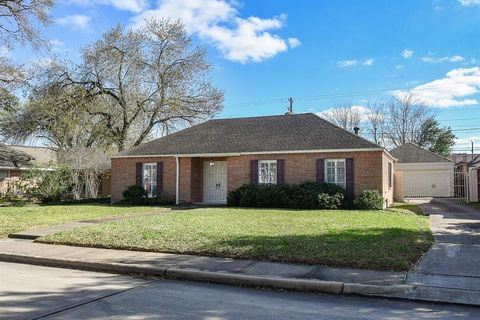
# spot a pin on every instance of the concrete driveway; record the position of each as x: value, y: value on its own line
x: 454, y: 259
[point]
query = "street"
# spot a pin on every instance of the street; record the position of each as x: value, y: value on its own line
x: 33, y: 292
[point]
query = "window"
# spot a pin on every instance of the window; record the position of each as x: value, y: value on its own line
x: 335, y: 171
x: 150, y: 179
x: 390, y: 173
x: 267, y: 172
x: 4, y: 174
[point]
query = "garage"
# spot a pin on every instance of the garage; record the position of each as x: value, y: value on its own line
x: 420, y: 173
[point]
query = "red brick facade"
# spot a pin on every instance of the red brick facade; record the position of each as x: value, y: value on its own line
x: 370, y: 172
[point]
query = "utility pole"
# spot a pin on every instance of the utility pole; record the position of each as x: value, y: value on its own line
x: 290, y: 107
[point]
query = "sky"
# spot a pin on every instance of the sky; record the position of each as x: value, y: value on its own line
x: 321, y: 53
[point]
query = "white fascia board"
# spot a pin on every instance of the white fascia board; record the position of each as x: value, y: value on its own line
x: 237, y: 154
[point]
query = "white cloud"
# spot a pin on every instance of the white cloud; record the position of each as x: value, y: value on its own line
x: 467, y: 141
x: 407, y: 53
x: 293, y: 42
x: 469, y: 2
x: 77, y: 21
x: 347, y: 63
x: 136, y: 6
x: 432, y: 59
x: 219, y: 22
x: 369, y: 62
x: 364, y: 112
x: 456, y: 89
x: 399, y: 66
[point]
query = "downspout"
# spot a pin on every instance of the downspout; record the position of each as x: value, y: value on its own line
x: 177, y: 183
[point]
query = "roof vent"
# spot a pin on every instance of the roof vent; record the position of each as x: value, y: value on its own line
x: 356, y: 129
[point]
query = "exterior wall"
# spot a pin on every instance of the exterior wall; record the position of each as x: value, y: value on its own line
x: 370, y: 172
x: 368, y: 168
x: 124, y: 175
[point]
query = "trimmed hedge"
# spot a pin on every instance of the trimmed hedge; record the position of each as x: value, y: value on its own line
x: 307, y: 195
x: 136, y: 195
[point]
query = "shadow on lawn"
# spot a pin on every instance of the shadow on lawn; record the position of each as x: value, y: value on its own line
x: 386, y: 249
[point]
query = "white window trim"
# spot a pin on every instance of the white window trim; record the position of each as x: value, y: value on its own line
x: 343, y: 183
x: 154, y: 178
x: 269, y: 162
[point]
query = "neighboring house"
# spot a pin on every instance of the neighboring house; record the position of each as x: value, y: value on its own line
x: 14, y: 159
x: 202, y: 163
x: 464, y: 161
x: 421, y: 173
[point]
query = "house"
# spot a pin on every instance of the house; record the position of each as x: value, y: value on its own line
x: 421, y: 173
x: 203, y: 163
x: 464, y: 161
x: 14, y: 159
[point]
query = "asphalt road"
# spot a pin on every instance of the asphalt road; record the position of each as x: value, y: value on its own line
x: 32, y: 292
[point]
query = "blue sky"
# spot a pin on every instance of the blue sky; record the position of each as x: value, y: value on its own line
x: 319, y: 52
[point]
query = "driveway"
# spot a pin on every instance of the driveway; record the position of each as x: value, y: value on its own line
x: 454, y: 259
x: 33, y: 292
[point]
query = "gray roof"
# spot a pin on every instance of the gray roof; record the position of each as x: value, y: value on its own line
x: 11, y: 158
x: 84, y: 158
x: 256, y: 134
x: 14, y: 156
x: 411, y: 153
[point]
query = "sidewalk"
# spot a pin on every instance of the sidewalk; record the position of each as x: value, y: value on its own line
x: 231, y: 271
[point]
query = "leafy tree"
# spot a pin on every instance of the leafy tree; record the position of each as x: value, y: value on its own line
x: 19, y: 23
x: 435, y: 138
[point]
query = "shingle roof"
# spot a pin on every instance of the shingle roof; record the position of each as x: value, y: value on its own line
x: 256, y: 134
x: 11, y: 158
x: 411, y: 153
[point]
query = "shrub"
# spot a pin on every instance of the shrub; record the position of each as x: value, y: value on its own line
x: 138, y: 196
x: 134, y: 193
x: 51, y: 185
x: 299, y: 196
x: 330, y: 201
x: 369, y: 200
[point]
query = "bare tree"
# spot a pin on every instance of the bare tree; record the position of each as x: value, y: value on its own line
x: 376, y: 120
x: 19, y: 23
x: 407, y: 113
x: 145, y: 79
x: 345, y: 116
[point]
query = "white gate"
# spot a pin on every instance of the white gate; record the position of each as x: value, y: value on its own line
x: 431, y: 184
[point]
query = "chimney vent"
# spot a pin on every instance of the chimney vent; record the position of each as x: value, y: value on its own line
x: 356, y: 129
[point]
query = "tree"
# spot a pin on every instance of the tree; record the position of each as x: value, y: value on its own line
x: 145, y: 79
x: 128, y: 85
x: 51, y: 114
x: 345, y: 116
x: 376, y: 122
x: 406, y: 115
x: 435, y: 138
x: 19, y: 22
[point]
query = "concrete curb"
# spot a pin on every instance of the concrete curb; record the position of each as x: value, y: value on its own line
x: 404, y: 291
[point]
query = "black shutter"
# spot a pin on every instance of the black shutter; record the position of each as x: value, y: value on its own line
x: 350, y: 178
x: 139, y: 174
x: 254, y: 172
x: 321, y: 170
x: 159, y: 178
x: 280, y: 171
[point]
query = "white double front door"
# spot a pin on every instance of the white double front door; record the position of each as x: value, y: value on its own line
x: 215, y: 182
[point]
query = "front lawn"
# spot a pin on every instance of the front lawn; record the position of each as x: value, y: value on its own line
x: 14, y: 219
x: 389, y: 240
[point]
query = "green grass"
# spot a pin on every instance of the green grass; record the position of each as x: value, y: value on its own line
x: 14, y: 219
x: 389, y: 240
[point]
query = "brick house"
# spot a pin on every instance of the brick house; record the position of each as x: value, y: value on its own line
x: 202, y: 163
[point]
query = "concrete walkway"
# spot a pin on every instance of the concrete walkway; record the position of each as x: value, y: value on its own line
x: 454, y: 259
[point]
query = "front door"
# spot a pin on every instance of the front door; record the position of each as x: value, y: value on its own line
x: 215, y: 182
